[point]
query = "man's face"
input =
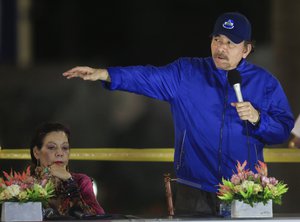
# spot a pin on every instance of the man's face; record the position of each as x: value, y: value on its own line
x: 227, y: 54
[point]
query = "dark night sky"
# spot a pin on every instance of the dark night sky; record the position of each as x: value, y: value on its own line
x: 133, y: 32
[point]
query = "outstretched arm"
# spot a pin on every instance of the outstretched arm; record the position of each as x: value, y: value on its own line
x: 88, y: 73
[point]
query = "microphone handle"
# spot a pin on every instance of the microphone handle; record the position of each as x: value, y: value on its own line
x: 238, y: 93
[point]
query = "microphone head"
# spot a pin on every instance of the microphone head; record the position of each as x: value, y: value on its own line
x: 234, y: 77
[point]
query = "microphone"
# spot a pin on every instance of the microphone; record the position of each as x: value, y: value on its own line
x: 235, y: 80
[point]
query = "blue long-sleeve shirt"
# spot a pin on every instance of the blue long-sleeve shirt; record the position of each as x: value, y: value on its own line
x: 209, y: 135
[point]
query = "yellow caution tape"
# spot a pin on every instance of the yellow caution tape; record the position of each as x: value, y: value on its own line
x: 272, y: 155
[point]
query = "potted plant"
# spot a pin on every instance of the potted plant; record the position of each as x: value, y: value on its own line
x: 20, y: 193
x: 251, y: 194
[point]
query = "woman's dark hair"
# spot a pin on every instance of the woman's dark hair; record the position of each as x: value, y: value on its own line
x: 40, y: 134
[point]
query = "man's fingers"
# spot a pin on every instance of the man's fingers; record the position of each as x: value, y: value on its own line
x: 78, y: 72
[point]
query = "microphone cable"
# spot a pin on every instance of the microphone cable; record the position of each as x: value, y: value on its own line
x: 248, y: 142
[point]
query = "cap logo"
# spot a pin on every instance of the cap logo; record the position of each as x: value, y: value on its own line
x: 229, y: 24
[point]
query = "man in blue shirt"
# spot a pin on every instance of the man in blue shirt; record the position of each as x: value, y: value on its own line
x: 212, y: 129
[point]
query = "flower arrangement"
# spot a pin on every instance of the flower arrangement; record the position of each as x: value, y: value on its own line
x: 22, y: 187
x: 250, y: 188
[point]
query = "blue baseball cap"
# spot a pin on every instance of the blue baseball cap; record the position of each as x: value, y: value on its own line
x: 234, y: 26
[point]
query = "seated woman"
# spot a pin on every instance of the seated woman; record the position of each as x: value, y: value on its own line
x: 50, y: 152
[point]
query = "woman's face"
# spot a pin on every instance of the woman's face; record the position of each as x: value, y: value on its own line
x: 55, y: 150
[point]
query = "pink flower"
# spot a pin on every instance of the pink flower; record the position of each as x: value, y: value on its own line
x: 265, y: 181
x: 235, y: 179
x: 273, y: 181
x: 44, y: 182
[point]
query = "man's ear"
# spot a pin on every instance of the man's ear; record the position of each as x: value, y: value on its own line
x: 247, y: 50
x: 36, y: 152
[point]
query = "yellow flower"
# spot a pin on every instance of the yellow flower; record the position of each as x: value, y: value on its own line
x: 5, y: 195
x: 237, y: 188
x: 257, y: 188
x: 14, y: 190
x: 246, y: 185
x: 23, y: 195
